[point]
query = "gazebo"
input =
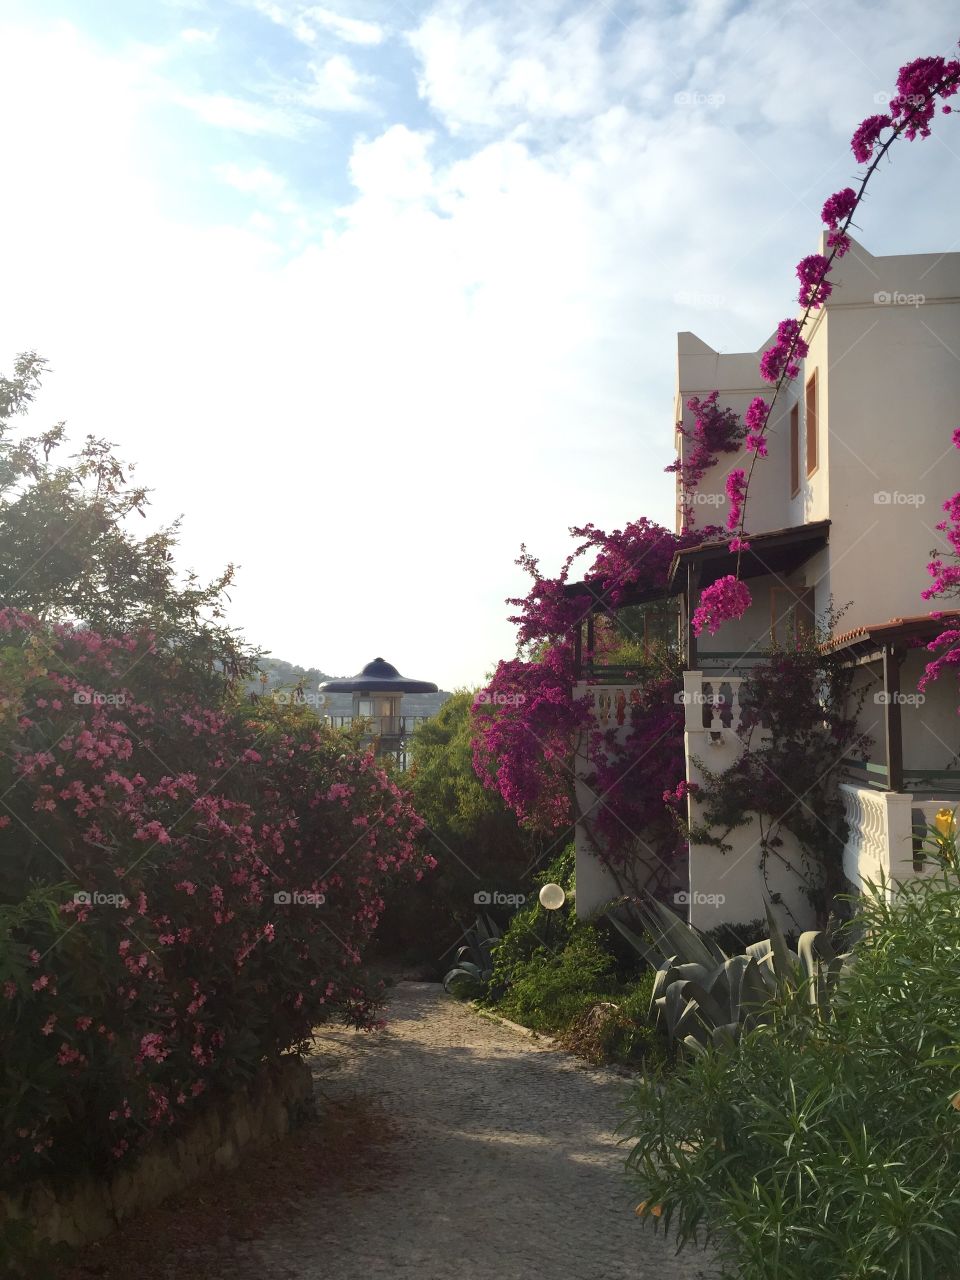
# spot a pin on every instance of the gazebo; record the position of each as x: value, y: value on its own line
x: 377, y: 697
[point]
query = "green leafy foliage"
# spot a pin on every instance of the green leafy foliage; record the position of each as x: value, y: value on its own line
x: 569, y: 978
x: 826, y: 1146
x: 477, y: 842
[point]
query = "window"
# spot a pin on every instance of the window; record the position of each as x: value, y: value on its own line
x: 794, y: 451
x: 791, y: 615
x: 812, y: 425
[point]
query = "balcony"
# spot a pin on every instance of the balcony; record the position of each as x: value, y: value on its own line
x: 886, y: 833
x: 378, y: 726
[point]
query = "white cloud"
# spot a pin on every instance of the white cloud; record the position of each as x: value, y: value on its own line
x: 257, y: 180
x: 306, y: 22
x: 395, y: 166
x: 197, y: 35
x: 351, y: 30
x: 336, y: 85
x: 481, y: 67
x: 240, y: 115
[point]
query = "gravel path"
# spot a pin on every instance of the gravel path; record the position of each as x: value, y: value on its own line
x: 447, y: 1147
x: 502, y: 1163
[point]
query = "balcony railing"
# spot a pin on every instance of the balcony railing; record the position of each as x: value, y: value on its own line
x: 379, y: 726
x: 886, y: 834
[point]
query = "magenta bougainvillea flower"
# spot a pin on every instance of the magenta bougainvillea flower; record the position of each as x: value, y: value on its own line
x: 726, y: 599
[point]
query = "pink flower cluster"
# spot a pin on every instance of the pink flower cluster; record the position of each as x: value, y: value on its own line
x: 724, y: 600
x: 782, y: 360
x: 715, y: 430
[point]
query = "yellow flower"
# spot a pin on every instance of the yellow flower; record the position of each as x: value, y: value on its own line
x: 945, y: 822
x: 954, y: 1102
x: 645, y: 1208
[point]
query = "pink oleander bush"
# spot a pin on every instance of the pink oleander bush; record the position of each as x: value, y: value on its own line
x: 180, y: 818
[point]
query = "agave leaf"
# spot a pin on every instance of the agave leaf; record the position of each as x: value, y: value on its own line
x: 754, y: 991
x: 728, y: 984
x: 675, y: 936
x: 784, y: 960
x: 457, y: 973
x: 661, y: 980
x: 759, y: 950
x: 645, y: 951
x: 725, y: 1036
x: 710, y: 1010
x: 694, y: 1045
x: 695, y: 972
x: 676, y: 1008
x: 810, y: 959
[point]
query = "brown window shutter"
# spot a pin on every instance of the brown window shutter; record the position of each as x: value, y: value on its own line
x: 812, y: 425
x: 794, y: 451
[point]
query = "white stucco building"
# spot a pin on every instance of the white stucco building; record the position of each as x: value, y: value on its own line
x: 842, y: 512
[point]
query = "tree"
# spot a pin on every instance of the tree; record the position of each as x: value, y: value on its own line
x: 67, y: 553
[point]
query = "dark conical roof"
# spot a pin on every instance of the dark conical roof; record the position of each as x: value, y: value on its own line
x: 378, y: 676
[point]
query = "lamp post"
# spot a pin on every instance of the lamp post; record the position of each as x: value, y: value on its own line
x: 552, y: 897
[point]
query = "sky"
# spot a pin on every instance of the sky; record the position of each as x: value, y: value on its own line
x: 374, y: 293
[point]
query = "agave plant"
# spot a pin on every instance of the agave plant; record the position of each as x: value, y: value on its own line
x: 706, y: 997
x: 471, y: 975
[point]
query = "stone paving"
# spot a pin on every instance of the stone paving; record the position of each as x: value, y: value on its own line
x: 502, y: 1164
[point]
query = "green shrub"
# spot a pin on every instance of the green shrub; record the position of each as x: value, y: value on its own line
x: 826, y: 1147
x: 552, y: 988
x: 618, y: 1029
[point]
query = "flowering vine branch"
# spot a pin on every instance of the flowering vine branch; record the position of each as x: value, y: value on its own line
x: 921, y: 84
